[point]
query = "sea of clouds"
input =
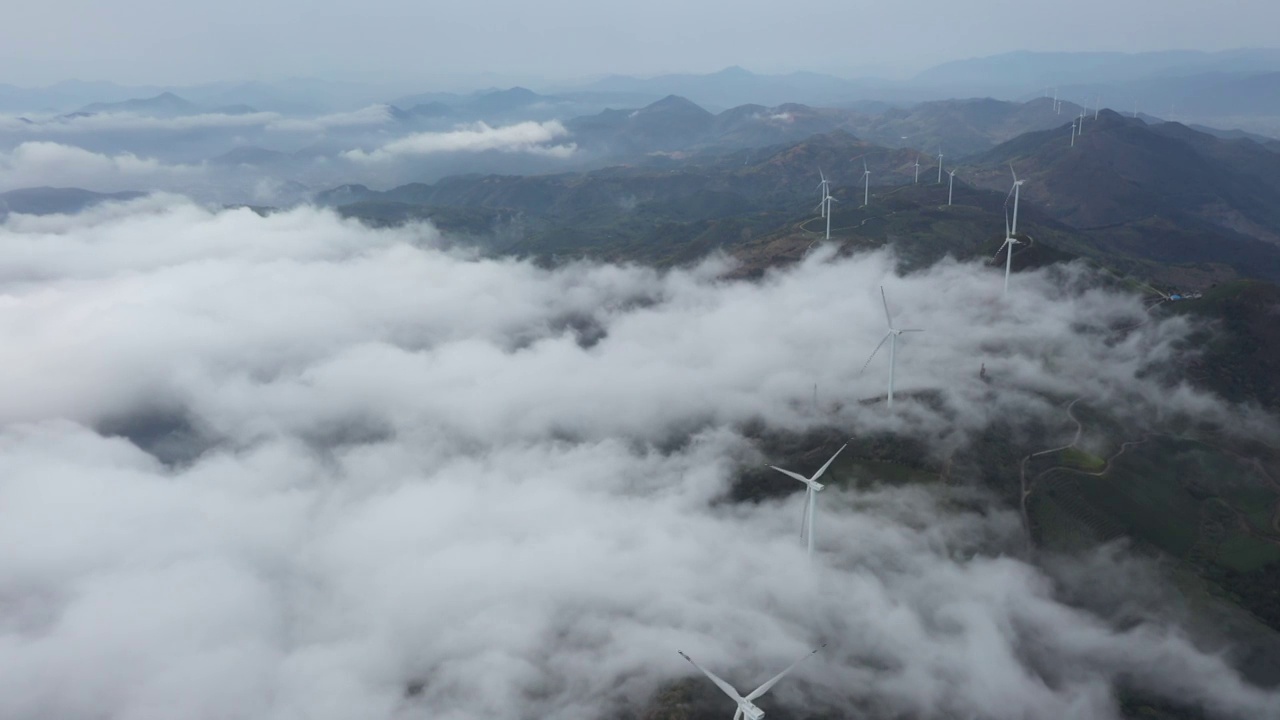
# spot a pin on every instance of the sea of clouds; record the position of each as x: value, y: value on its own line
x: 290, y: 466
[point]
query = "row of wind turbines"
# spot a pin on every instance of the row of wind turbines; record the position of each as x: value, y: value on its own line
x: 746, y: 707
x: 745, y: 704
x: 1010, y: 231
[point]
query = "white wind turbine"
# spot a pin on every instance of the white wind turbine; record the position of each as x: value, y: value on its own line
x: 1073, y: 132
x: 825, y: 192
x: 1082, y: 116
x: 812, y: 488
x: 917, y: 168
x: 939, y: 164
x: 825, y: 205
x: 1097, y: 105
x: 745, y: 706
x: 1008, y: 244
x: 951, y: 184
x: 892, y: 336
x: 1015, y: 191
x: 866, y: 189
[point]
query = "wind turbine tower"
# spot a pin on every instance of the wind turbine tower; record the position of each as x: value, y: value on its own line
x: 939, y: 164
x: 823, y: 186
x: 892, y: 337
x: 917, y: 168
x: 812, y: 488
x: 1008, y: 244
x: 826, y: 211
x: 746, y: 708
x: 1073, y: 132
x: 951, y: 185
x: 866, y: 188
x: 1016, y: 190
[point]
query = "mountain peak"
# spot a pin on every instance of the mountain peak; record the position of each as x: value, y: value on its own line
x: 675, y: 103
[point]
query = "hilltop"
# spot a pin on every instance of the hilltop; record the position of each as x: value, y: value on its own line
x: 1161, y: 192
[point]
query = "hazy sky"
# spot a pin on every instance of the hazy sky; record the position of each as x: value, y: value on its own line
x: 150, y: 41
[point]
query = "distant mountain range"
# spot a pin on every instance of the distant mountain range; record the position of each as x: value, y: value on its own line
x: 51, y: 200
x: 1197, y: 85
x: 163, y: 105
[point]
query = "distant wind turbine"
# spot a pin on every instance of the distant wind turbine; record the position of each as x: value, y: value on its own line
x: 812, y: 488
x: 917, y: 168
x: 1015, y: 191
x: 823, y: 187
x: 826, y: 211
x: 892, y: 337
x: 1008, y: 244
x: 746, y: 708
x: 866, y: 189
x: 1073, y: 132
x: 939, y: 164
x: 951, y: 184
x: 1097, y: 105
x: 1082, y: 117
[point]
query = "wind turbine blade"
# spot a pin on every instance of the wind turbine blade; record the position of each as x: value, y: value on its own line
x: 873, y: 352
x: 864, y: 167
x: 883, y: 300
x: 737, y: 714
x: 774, y: 680
x: 911, y: 330
x: 1015, y: 173
x: 822, y: 175
x: 1003, y: 245
x: 788, y: 473
x: 1006, y: 225
x: 724, y: 686
x: 833, y: 459
x: 1006, y: 197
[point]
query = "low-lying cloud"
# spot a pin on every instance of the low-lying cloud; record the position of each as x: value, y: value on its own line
x: 35, y: 164
x: 534, y: 138
x: 361, y: 464
x: 106, y: 122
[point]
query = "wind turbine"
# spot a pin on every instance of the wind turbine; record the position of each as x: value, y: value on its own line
x: 1082, y: 116
x: 892, y: 336
x: 917, y: 168
x: 1056, y: 107
x: 1009, y: 242
x: 1015, y: 191
x: 812, y: 488
x: 826, y: 211
x: 866, y: 189
x: 951, y: 184
x: 1097, y: 105
x: 1073, y: 132
x: 823, y: 187
x: 939, y: 164
x: 745, y: 706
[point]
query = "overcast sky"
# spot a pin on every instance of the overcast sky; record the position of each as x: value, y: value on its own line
x: 155, y: 41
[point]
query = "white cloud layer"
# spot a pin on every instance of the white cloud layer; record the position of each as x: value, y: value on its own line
x: 386, y: 463
x: 35, y: 164
x: 526, y: 137
x: 372, y: 115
